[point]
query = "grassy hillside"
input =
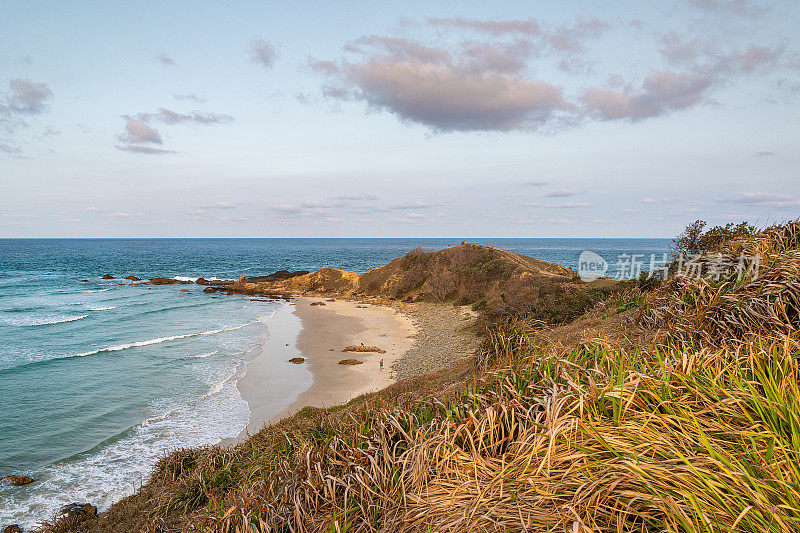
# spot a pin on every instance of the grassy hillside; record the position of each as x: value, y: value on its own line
x: 675, y: 410
x: 496, y: 282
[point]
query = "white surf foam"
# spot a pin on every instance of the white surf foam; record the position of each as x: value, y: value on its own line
x: 158, y: 341
x: 119, y: 469
x: 102, y: 308
x: 54, y: 320
x: 97, y: 290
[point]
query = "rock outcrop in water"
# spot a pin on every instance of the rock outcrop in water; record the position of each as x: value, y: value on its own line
x: 170, y: 281
x: 18, y: 480
x: 106, y: 276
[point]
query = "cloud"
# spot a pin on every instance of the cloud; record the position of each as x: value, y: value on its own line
x: 220, y: 205
x: 27, y: 97
x: 725, y: 7
x: 475, y: 86
x: 165, y: 59
x: 461, y: 74
x: 188, y: 97
x: 529, y: 26
x: 563, y: 205
x: 410, y: 205
x: 6, y: 149
x: 357, y: 198
x: 139, y: 149
x: 136, y: 131
x: 648, y: 201
x: 171, y: 117
x: 677, y: 50
x: 286, y: 209
x: 661, y: 92
x: 121, y: 214
x: 49, y: 131
x: 319, y: 204
x: 559, y: 193
x: 446, y: 98
x: 765, y: 199
x: 535, y: 183
x: 532, y: 37
x: 764, y: 154
x: 571, y: 39
x: 262, y: 52
x: 24, y: 98
x: 322, y: 66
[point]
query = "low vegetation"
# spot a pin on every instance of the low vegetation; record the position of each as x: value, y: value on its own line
x: 673, y: 409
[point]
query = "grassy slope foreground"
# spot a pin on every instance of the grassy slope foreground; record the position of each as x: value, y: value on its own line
x: 674, y: 410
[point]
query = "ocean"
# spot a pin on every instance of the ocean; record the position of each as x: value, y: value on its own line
x: 101, y: 379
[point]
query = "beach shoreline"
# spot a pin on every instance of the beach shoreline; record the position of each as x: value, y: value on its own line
x: 318, y: 333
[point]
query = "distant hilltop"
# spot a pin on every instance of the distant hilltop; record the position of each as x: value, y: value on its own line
x: 464, y: 274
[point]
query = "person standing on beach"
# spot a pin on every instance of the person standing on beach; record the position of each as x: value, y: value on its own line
x: 381, y: 365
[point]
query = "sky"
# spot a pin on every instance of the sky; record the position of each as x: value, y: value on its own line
x: 396, y: 119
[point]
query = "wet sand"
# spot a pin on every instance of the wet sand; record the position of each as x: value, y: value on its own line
x: 319, y: 337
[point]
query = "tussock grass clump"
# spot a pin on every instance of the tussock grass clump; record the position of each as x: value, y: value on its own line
x: 362, y: 348
x: 757, y: 299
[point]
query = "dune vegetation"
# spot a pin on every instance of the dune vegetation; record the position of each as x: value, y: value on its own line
x: 669, y: 406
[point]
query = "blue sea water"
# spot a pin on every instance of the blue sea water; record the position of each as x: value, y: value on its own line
x: 100, y: 379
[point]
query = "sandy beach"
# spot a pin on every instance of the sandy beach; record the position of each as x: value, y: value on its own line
x: 319, y: 336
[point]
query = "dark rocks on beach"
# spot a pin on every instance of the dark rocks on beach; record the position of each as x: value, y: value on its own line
x: 317, y: 303
x: 364, y: 349
x: 169, y: 281
x: 19, y: 480
x: 350, y: 362
x: 106, y: 276
x: 13, y: 528
x: 133, y: 278
x: 210, y: 289
x: 331, y: 300
x: 297, y: 360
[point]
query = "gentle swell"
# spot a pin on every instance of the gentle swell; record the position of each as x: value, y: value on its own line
x: 157, y: 341
x: 56, y: 321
